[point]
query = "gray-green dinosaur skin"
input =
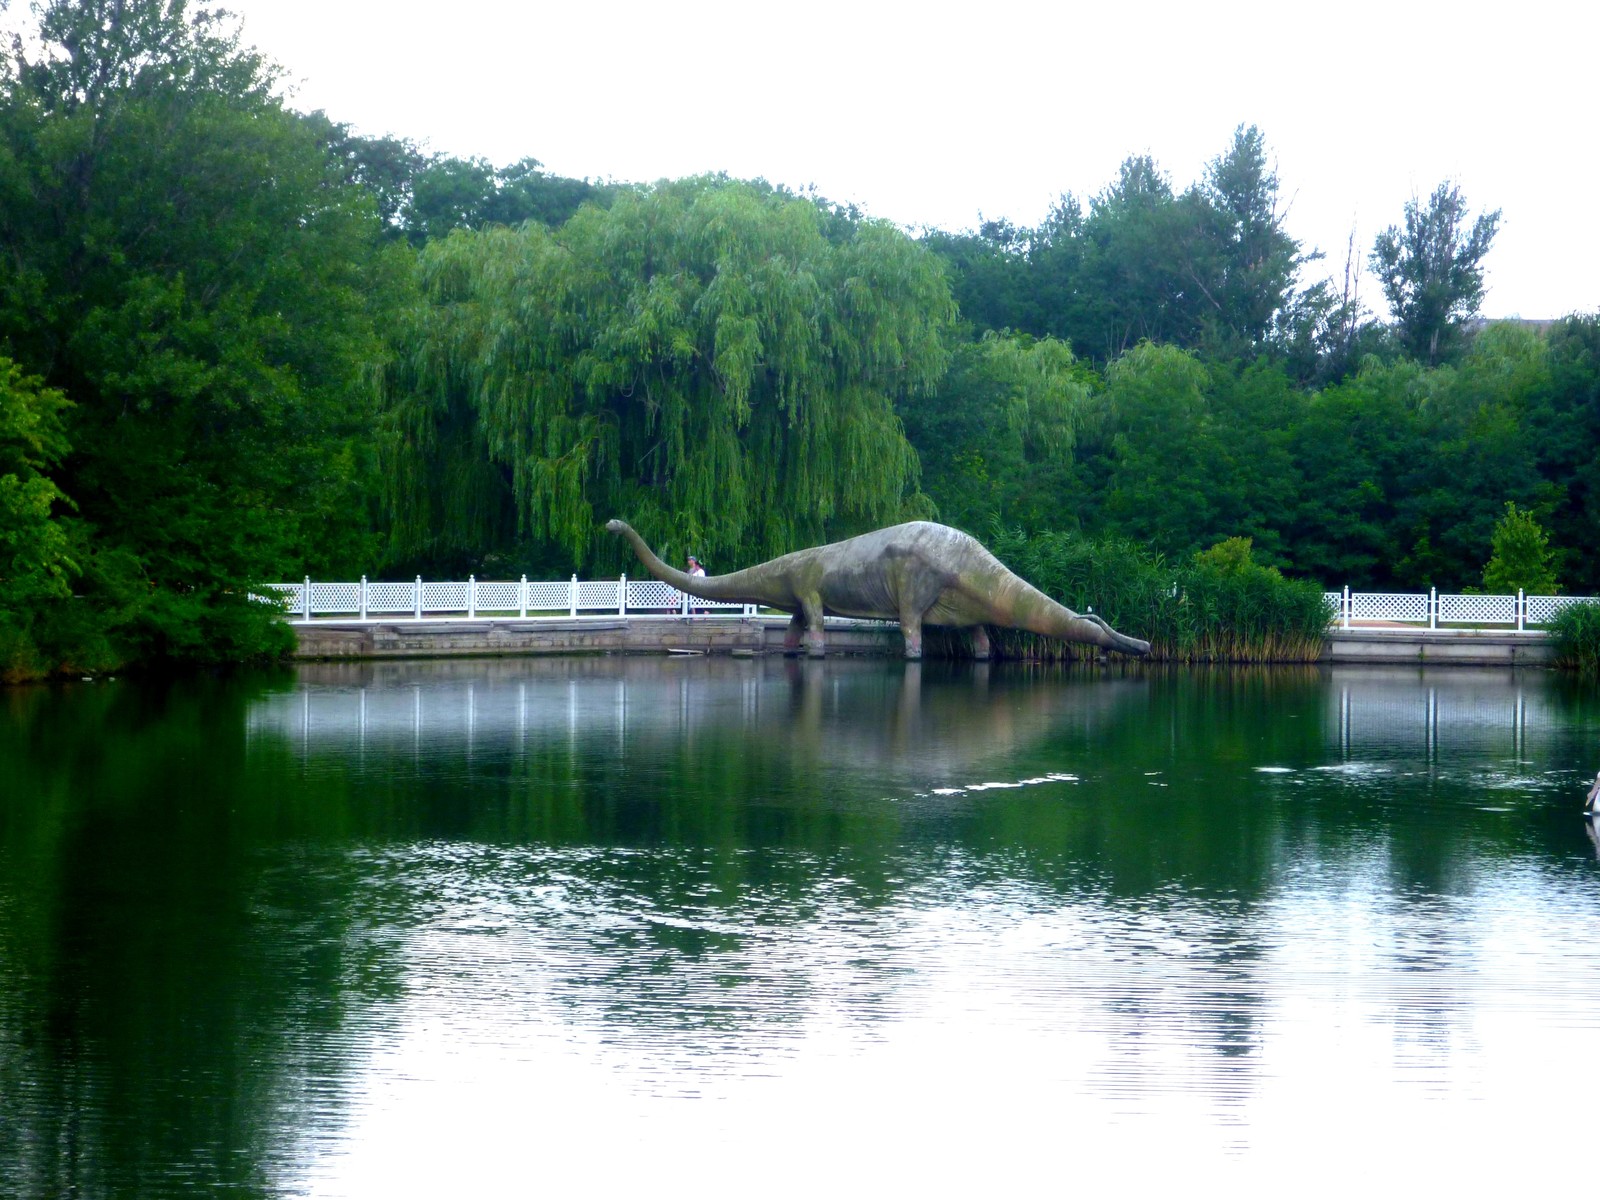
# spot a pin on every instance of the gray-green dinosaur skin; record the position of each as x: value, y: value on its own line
x: 918, y: 573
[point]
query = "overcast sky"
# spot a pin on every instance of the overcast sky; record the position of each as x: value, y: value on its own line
x: 929, y: 113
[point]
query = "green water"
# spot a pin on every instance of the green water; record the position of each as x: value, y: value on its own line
x: 611, y: 926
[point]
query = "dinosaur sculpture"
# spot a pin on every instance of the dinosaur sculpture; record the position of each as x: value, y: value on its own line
x: 917, y: 573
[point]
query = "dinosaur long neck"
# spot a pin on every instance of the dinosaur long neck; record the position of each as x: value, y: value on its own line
x: 1038, y: 613
x: 738, y: 586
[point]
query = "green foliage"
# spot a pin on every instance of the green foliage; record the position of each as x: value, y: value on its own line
x: 718, y: 362
x: 1521, y: 559
x: 1432, y: 270
x: 1575, y: 632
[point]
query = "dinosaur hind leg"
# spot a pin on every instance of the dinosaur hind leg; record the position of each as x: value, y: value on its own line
x: 811, y: 613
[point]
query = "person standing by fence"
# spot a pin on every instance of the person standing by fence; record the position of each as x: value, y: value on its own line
x: 696, y: 571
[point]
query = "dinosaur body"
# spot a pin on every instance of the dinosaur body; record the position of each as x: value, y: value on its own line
x: 918, y: 573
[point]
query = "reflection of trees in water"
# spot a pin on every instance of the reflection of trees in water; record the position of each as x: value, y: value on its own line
x: 173, y: 993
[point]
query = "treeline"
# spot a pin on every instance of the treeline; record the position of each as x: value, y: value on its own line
x: 240, y: 344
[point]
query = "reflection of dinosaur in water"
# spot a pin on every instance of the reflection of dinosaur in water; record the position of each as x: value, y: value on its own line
x: 931, y: 724
x: 917, y: 573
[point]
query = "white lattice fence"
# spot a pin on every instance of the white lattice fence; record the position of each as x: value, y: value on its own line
x: 1434, y: 609
x: 389, y: 599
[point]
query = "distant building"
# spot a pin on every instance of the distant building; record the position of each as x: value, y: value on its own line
x: 1539, y: 325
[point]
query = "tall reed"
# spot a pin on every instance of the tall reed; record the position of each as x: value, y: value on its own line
x: 1575, y: 631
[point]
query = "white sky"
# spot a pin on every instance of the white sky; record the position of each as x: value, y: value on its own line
x: 929, y: 113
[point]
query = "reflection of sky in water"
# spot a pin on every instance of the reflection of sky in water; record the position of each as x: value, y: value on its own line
x: 965, y: 1035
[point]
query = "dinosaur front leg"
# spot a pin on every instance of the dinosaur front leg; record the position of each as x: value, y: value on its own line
x: 980, y: 643
x: 791, y: 635
x: 911, y: 627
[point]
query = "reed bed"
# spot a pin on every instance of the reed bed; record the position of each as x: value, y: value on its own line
x: 1210, y: 609
x: 1575, y: 630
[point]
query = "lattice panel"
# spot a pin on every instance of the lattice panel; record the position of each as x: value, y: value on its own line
x: 600, y: 593
x: 549, y: 596
x: 391, y: 597
x: 1478, y: 610
x: 1543, y: 609
x: 444, y: 597
x: 1388, y: 606
x: 653, y: 594
x: 499, y: 597
x: 293, y: 594
x: 335, y: 597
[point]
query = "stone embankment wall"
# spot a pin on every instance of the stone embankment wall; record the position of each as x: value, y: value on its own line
x: 755, y: 635
x: 624, y: 635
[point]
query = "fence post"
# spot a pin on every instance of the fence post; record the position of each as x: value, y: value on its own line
x: 622, y: 596
x: 522, y: 598
x: 363, y: 597
x: 1522, y: 609
x: 1433, y: 608
x: 1344, y: 606
x: 472, y: 597
x: 305, y: 599
x: 416, y: 597
x: 572, y: 595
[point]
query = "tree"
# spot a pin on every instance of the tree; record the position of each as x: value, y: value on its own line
x: 1254, y: 262
x: 716, y: 361
x: 1432, y: 270
x: 1521, y: 558
x: 996, y: 439
x: 37, y: 555
x: 1156, y: 431
x: 190, y: 267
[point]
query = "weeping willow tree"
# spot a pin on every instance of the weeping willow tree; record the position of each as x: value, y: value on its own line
x: 715, y: 361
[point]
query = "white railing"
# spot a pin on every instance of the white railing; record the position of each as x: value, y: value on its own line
x: 475, y: 599
x: 1434, y: 609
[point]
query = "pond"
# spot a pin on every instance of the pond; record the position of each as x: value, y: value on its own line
x: 714, y: 927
